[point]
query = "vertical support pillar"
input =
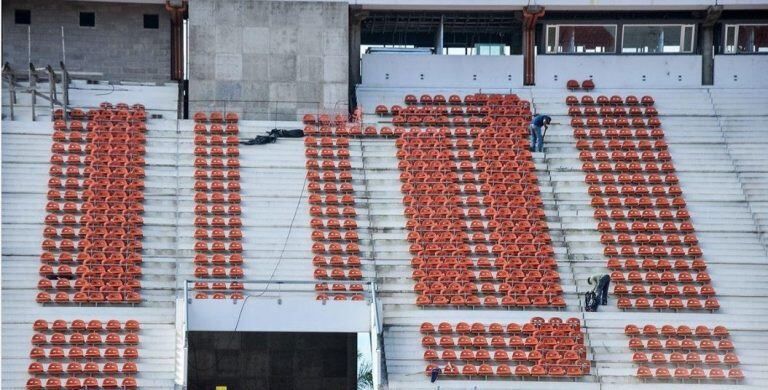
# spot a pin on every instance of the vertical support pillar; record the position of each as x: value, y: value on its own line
x: 177, y: 12
x: 8, y: 72
x: 708, y: 44
x: 356, y: 17
x: 530, y: 15
x: 65, y: 84
x: 439, y: 37
x: 33, y: 88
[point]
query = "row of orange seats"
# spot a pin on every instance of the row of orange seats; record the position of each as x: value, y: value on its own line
x: 105, y: 149
x: 216, y: 117
x: 77, y: 338
x: 217, y: 290
x: 75, y: 368
x: 79, y: 325
x: 218, y: 247
x: 216, y: 140
x: 624, y: 133
x: 682, y: 373
x: 104, y: 127
x: 631, y: 156
x: 231, y: 128
x: 416, y: 120
x: 617, y: 111
x: 90, y: 353
x: 553, y: 355
x: 615, y: 100
x: 465, y: 262
x: 514, y: 286
x: 112, y: 138
x: 574, y: 85
x: 615, y: 144
x: 507, y: 301
x: 536, y: 324
x: 623, y: 168
x: 470, y: 99
x: 632, y: 264
x: 324, y: 170
x: 660, y: 303
x: 456, y: 110
x: 78, y: 383
x: 729, y: 358
x: 106, y: 112
x: 621, y: 122
x: 505, y: 371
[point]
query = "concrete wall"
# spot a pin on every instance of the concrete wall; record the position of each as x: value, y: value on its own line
x: 268, y: 59
x: 741, y: 71
x: 393, y: 70
x: 620, y: 71
x: 118, y: 46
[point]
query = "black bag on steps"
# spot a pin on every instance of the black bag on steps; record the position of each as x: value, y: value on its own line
x: 590, y: 301
x: 284, y: 133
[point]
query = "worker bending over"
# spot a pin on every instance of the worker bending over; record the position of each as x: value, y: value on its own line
x: 537, y: 140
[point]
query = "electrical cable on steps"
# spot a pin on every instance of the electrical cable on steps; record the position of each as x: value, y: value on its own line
x: 279, y: 260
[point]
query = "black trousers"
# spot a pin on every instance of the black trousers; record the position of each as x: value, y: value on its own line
x: 602, y: 289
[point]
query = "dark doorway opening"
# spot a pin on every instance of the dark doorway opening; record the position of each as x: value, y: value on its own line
x: 272, y: 360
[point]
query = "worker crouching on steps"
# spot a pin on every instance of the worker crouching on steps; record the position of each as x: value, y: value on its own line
x: 599, y: 293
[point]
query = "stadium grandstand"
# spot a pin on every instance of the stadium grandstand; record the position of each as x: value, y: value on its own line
x: 344, y: 194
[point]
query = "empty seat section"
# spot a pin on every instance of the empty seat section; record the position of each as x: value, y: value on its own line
x: 682, y: 352
x: 475, y: 219
x: 539, y: 348
x: 218, y: 235
x: 92, y: 246
x: 333, y: 216
x: 650, y: 242
x: 78, y: 354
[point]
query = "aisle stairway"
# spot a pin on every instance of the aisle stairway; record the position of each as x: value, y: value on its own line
x: 741, y: 115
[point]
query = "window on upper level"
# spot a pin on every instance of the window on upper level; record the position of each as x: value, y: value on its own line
x: 657, y: 39
x: 87, y: 19
x: 581, y: 38
x: 22, y: 16
x: 746, y: 38
x: 151, y: 21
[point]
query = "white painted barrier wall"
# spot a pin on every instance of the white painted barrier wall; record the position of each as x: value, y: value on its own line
x: 289, y: 314
x: 620, y: 71
x: 427, y: 71
x: 741, y: 71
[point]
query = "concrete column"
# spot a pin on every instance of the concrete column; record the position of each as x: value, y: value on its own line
x: 439, y: 37
x: 708, y: 44
x: 356, y: 17
x: 707, y: 55
x: 177, y: 38
x: 530, y: 15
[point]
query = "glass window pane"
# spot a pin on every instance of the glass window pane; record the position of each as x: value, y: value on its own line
x: 651, y: 39
x: 551, y: 39
x: 730, y: 39
x: 753, y: 39
x: 688, y: 39
x: 583, y: 39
